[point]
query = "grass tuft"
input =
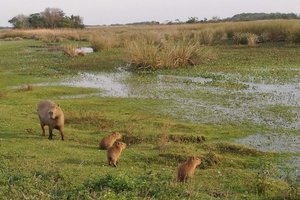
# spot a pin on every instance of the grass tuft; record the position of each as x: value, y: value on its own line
x: 70, y: 50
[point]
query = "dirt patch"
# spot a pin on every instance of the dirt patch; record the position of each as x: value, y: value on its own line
x: 186, y: 139
x: 133, y: 139
x: 237, y: 149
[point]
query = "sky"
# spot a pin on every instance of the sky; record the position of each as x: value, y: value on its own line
x: 99, y: 12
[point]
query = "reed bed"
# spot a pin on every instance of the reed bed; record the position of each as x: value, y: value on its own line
x: 209, y: 33
x: 169, y: 46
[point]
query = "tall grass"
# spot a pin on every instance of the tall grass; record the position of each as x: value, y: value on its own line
x: 267, y: 30
x: 169, y: 46
x: 70, y: 50
x: 209, y: 33
x: 103, y: 42
x: 166, y: 53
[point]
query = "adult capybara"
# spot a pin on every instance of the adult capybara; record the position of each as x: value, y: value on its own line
x: 187, y: 169
x: 51, y: 115
x: 114, y: 152
x: 109, y: 140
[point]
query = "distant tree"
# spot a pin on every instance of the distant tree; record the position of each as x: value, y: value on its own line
x: 19, y: 21
x: 77, y: 21
x: 262, y: 16
x: 215, y: 19
x: 177, y: 21
x: 192, y: 20
x: 53, y: 17
x: 49, y: 18
x: 36, y: 20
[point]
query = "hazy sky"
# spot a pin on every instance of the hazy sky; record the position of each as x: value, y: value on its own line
x: 96, y: 12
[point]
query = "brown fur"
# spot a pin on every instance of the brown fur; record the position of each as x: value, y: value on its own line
x: 187, y: 169
x: 109, y: 140
x: 51, y: 115
x: 114, y: 152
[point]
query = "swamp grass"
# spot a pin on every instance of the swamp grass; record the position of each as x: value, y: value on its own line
x: 32, y: 167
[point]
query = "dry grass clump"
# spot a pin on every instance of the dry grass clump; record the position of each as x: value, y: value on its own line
x: 103, y: 42
x: 71, y: 50
x: 245, y: 38
x: 252, y: 40
x: 145, y: 53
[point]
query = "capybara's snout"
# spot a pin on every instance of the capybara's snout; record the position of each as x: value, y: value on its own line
x: 51, y: 115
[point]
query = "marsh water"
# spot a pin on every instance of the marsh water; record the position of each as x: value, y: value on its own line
x: 205, y: 100
x: 197, y: 99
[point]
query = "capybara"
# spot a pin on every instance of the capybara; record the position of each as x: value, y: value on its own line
x: 109, y: 140
x: 187, y: 169
x: 51, y: 115
x: 114, y: 152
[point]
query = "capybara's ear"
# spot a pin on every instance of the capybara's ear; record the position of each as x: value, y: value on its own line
x: 57, y: 105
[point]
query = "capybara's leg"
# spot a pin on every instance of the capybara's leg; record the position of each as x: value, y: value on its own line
x: 114, y: 163
x: 185, y: 179
x: 109, y: 161
x: 43, y: 129
x: 50, y: 133
x: 61, y: 134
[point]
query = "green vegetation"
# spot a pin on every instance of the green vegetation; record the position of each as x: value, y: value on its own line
x: 158, y: 139
x: 49, y: 18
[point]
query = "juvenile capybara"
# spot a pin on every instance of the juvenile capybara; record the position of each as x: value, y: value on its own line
x: 51, y: 115
x: 109, y: 140
x: 187, y: 169
x: 114, y: 152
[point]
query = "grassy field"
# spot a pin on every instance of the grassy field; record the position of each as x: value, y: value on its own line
x: 32, y: 167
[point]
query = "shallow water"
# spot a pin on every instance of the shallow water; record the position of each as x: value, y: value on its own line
x: 194, y: 99
x: 279, y: 143
x: 84, y: 50
x: 109, y: 84
x: 272, y: 142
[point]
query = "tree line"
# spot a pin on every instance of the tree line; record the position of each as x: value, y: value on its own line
x: 49, y: 18
x: 239, y: 17
x: 262, y: 16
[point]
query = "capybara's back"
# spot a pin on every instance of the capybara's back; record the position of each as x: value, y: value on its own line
x: 187, y: 169
x: 52, y: 116
x: 109, y: 140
